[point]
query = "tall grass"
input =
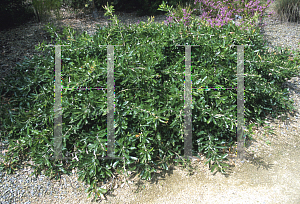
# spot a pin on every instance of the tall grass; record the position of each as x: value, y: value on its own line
x: 288, y: 10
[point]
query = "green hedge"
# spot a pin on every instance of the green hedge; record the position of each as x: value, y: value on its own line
x: 148, y: 102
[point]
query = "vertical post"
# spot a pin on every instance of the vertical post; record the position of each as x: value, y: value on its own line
x: 240, y: 102
x: 188, y: 145
x: 94, y: 9
x: 110, y: 102
x: 36, y: 12
x: 57, y: 105
x: 188, y: 102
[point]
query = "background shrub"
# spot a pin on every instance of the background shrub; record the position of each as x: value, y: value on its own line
x: 288, y: 10
x: 14, y: 13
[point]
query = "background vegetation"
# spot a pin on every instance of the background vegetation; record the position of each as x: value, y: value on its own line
x: 14, y: 13
x: 18, y: 12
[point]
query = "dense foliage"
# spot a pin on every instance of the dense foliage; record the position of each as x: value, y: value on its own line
x: 18, y: 12
x: 149, y: 89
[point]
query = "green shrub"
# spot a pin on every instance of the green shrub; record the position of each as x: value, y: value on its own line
x: 149, y: 89
x: 43, y: 8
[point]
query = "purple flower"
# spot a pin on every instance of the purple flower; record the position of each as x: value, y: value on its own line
x: 225, y: 15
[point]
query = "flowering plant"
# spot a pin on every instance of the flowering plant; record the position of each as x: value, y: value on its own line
x: 250, y: 12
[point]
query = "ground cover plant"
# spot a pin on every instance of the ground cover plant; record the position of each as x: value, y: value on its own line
x: 149, y: 89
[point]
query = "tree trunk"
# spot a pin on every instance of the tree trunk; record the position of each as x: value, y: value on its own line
x: 94, y: 9
x: 36, y: 14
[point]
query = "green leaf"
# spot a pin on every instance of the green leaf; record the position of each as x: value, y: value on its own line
x: 108, y: 173
x: 148, y: 157
x: 213, y: 167
x: 209, y: 120
x: 134, y: 158
x: 158, y: 137
x: 48, y: 163
x: 214, y: 121
x: 102, y: 190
